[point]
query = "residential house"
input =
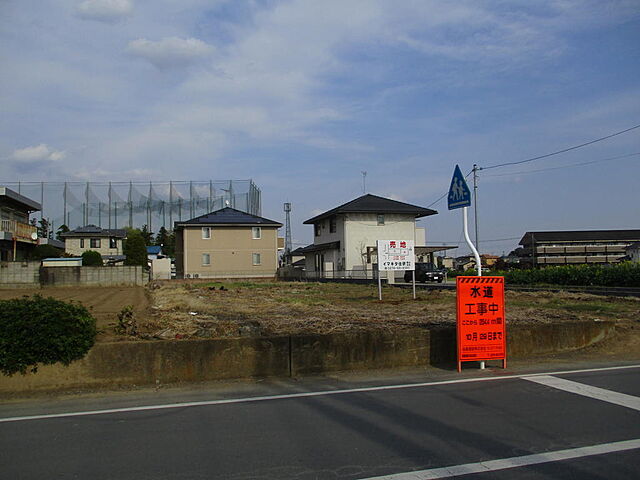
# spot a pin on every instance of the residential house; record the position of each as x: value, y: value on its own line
x: 17, y: 237
x: 577, y: 247
x: 107, y: 242
x: 345, y: 236
x: 226, y: 243
x: 633, y: 252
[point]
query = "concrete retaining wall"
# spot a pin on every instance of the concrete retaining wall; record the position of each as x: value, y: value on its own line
x: 19, y: 274
x: 31, y: 274
x: 146, y: 363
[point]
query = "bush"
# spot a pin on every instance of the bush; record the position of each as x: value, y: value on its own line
x: 91, y: 258
x: 626, y: 274
x: 37, y: 330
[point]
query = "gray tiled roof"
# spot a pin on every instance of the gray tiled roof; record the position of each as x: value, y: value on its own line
x: 228, y: 216
x: 375, y: 204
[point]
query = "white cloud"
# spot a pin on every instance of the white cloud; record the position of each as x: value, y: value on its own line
x: 171, y: 51
x: 37, y: 154
x: 109, y: 11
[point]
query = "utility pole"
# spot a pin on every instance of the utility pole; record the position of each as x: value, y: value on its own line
x: 287, y: 235
x: 475, y: 202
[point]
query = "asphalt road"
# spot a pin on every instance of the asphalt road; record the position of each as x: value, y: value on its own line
x: 581, y: 424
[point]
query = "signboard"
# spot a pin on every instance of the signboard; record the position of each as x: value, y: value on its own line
x: 482, y: 333
x: 396, y: 255
x: 459, y: 194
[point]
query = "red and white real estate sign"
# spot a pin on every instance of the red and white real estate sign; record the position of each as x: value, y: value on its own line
x: 481, y: 326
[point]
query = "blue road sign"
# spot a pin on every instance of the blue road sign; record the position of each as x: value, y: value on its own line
x: 459, y: 193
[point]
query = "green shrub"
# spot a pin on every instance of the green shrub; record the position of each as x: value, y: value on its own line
x: 135, y: 249
x: 91, y: 258
x: 626, y: 274
x: 36, y: 330
x: 45, y: 251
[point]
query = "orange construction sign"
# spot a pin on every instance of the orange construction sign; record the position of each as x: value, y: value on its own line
x: 481, y: 326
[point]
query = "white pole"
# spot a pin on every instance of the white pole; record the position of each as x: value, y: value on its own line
x: 465, y: 226
x: 413, y: 279
x: 379, y: 286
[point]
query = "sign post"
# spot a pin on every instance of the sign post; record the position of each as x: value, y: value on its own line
x: 395, y: 255
x: 481, y: 325
x: 460, y: 197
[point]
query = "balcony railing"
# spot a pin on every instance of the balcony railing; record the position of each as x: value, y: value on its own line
x: 20, y: 231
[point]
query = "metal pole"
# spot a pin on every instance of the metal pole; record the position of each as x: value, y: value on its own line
x: 190, y: 199
x: 86, y: 196
x: 379, y: 286
x: 475, y: 201
x: 171, y: 205
x: 413, y: 281
x: 465, y: 226
x: 130, y: 204
x: 109, y: 209
x: 64, y: 200
x: 41, y: 200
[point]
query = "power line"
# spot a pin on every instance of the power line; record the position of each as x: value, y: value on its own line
x: 563, y: 150
x: 563, y: 166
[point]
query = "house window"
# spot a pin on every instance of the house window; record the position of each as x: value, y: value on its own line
x: 82, y: 243
x: 316, y: 229
x: 206, y: 259
x: 94, y: 243
x: 380, y: 219
x: 113, y: 243
x: 256, y: 258
x: 206, y: 233
x: 256, y: 233
x: 332, y: 224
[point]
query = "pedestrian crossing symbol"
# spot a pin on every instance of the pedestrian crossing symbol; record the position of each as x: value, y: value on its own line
x: 459, y: 193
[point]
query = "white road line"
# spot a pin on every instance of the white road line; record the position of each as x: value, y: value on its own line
x: 513, y: 462
x: 610, y: 396
x: 299, y: 395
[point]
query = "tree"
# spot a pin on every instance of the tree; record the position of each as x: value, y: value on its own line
x: 167, y: 240
x: 91, y: 258
x: 147, y: 236
x: 37, y: 330
x: 61, y: 229
x: 135, y: 248
x: 45, y: 251
x: 43, y: 228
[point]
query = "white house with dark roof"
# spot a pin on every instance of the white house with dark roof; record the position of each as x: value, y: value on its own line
x: 345, y: 236
x: 107, y: 242
x: 226, y: 243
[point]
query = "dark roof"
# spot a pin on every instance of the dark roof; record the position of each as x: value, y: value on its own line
x: 17, y: 199
x: 319, y: 247
x: 373, y: 204
x: 581, y: 236
x: 94, y: 231
x: 228, y: 216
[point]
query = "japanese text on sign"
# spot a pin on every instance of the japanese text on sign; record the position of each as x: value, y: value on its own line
x: 481, y: 323
x: 396, y: 255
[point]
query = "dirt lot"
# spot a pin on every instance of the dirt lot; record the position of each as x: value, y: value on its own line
x: 237, y: 309
x: 231, y: 309
x: 104, y: 303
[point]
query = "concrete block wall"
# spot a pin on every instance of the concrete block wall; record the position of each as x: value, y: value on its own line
x: 103, y: 276
x: 19, y: 274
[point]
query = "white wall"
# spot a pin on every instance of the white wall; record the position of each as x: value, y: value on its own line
x: 362, y: 230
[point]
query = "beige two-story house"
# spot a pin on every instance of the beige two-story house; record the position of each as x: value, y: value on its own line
x: 17, y: 237
x: 226, y: 243
x: 107, y: 242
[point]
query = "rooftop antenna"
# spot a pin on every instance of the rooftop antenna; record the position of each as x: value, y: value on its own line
x: 287, y: 231
x: 364, y: 181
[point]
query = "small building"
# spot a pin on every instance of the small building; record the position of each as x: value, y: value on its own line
x: 577, y: 246
x: 107, y: 242
x: 633, y: 252
x: 18, y: 238
x: 62, y: 262
x: 226, y: 243
x: 345, y: 237
x: 154, y: 252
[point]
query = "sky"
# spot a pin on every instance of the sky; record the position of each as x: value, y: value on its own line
x: 304, y: 96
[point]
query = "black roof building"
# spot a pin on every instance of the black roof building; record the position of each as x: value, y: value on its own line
x: 374, y: 204
x: 228, y: 217
x: 582, y: 236
x: 95, y: 231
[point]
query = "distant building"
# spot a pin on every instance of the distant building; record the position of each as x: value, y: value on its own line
x: 345, y: 236
x: 107, y: 242
x: 577, y: 247
x: 154, y: 252
x: 17, y: 237
x: 226, y: 243
x: 633, y: 252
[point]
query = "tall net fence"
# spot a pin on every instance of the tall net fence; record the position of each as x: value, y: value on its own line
x: 134, y: 204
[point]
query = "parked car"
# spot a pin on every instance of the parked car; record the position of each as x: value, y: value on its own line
x: 426, y: 272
